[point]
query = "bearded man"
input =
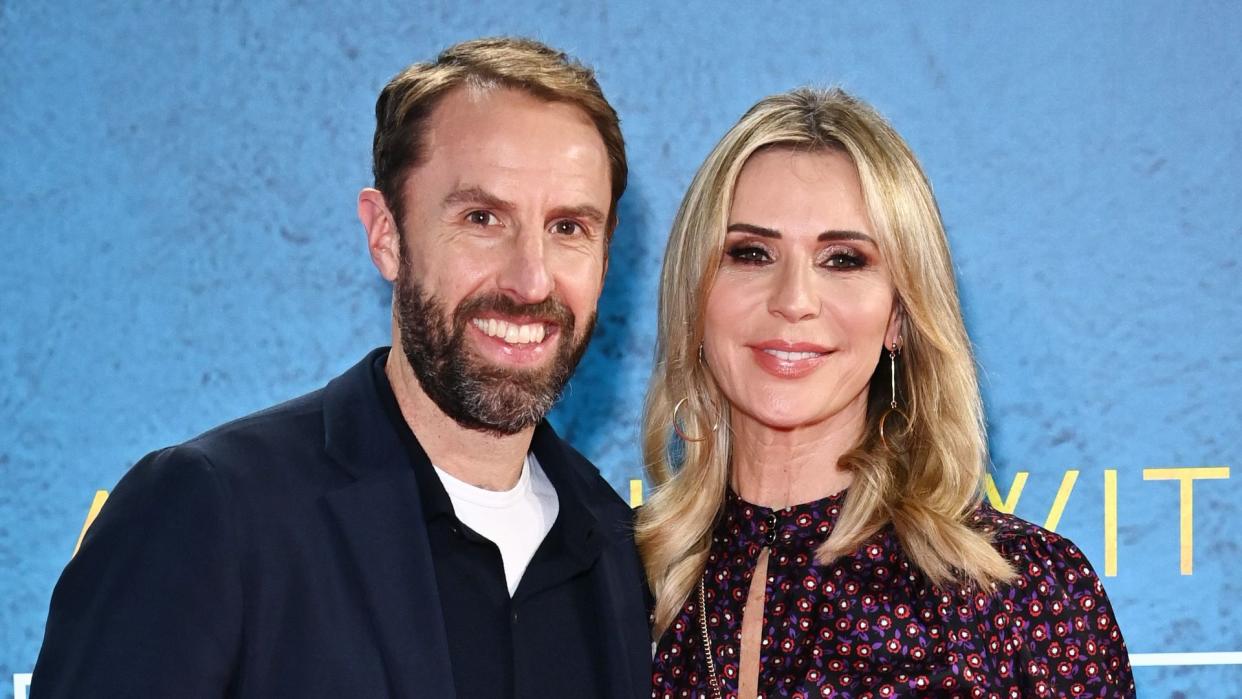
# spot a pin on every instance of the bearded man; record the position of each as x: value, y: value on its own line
x: 415, y: 528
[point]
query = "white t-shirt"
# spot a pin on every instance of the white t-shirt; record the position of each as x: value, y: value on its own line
x: 515, y: 520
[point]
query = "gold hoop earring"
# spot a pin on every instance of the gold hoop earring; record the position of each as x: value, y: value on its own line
x: 677, y: 424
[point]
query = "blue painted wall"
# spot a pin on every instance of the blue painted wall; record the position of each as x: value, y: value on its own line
x: 178, y: 244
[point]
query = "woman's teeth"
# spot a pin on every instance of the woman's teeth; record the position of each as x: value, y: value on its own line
x: 792, y: 356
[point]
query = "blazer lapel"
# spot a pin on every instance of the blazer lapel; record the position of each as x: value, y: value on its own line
x: 626, y: 679
x: 617, y: 595
x: 382, y: 526
x: 381, y: 523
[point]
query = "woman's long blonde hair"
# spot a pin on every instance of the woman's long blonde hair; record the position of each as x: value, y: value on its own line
x: 925, y: 474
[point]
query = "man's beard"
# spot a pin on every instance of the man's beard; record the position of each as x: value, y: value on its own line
x: 475, y: 393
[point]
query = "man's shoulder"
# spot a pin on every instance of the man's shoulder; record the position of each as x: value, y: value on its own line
x: 271, y: 454
x: 291, y: 425
x: 284, y: 447
x: 295, y: 431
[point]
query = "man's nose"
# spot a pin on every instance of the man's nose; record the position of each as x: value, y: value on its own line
x: 525, y: 275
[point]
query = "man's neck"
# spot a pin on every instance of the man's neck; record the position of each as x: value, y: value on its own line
x: 479, y: 458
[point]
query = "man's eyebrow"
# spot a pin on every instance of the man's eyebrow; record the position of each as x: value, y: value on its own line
x: 585, y: 211
x: 826, y: 236
x: 476, y: 195
x: 484, y: 198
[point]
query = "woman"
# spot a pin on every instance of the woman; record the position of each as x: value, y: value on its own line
x: 814, y: 426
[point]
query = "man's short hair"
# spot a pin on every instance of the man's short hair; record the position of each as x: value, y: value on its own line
x: 408, y: 99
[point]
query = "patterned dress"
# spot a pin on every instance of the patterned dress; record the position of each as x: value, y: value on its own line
x: 871, y: 625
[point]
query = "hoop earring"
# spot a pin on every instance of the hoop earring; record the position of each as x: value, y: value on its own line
x: 677, y: 424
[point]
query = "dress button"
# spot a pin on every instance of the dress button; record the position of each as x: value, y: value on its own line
x: 771, y: 536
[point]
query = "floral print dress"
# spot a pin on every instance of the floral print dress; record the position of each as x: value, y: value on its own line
x: 871, y: 625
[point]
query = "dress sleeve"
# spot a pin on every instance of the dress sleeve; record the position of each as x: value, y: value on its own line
x: 151, y: 603
x: 1071, y: 644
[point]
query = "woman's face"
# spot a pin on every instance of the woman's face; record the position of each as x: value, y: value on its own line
x: 802, y: 306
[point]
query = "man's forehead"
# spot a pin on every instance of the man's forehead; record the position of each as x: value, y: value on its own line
x: 472, y: 117
x: 511, y: 143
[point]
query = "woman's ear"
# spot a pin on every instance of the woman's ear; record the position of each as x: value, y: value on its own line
x: 896, y: 319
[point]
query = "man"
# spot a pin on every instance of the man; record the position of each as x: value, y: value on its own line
x: 414, y: 528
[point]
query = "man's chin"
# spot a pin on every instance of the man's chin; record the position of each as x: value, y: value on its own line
x: 505, y: 406
x: 522, y: 389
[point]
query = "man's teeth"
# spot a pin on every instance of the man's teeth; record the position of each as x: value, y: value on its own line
x: 511, y: 333
x: 792, y: 356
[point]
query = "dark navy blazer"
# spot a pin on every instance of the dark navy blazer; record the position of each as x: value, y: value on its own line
x: 285, y: 555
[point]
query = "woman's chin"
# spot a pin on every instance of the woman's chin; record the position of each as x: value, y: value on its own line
x: 780, y: 418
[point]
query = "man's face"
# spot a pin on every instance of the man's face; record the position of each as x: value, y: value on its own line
x: 503, y: 254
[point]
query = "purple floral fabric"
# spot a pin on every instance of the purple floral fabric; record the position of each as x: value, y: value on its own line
x: 871, y: 625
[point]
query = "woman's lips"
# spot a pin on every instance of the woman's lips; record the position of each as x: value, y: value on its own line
x: 788, y: 360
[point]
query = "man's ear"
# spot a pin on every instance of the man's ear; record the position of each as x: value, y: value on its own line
x: 383, y: 238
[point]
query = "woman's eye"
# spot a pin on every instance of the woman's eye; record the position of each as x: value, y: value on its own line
x: 846, y: 259
x: 566, y: 227
x: 749, y: 254
x: 481, y: 218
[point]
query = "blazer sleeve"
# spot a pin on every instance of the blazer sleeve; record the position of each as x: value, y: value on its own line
x: 151, y: 604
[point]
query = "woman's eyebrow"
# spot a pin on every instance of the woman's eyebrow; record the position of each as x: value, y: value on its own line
x: 844, y: 235
x: 753, y: 229
x: 826, y: 236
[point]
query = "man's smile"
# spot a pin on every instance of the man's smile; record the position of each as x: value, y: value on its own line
x: 512, y: 332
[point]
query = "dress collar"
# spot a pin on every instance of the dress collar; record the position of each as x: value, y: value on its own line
x: 800, y: 526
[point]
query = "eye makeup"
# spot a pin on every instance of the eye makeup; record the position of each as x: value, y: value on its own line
x: 748, y: 252
x: 841, y: 257
x: 835, y: 256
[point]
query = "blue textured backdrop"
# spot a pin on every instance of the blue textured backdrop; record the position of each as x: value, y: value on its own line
x: 178, y: 244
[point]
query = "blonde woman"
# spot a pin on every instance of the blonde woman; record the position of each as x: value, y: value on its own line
x: 815, y: 432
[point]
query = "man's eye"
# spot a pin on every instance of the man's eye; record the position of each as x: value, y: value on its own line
x: 749, y: 254
x: 481, y: 218
x: 566, y: 227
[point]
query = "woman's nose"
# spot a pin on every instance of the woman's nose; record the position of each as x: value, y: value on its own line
x: 793, y: 297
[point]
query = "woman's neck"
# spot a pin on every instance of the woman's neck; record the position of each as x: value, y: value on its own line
x: 779, y: 468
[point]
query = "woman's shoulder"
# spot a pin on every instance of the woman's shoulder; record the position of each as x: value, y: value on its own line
x: 1020, y: 541
x: 1058, y: 607
x: 1045, y: 562
x: 1003, y: 526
